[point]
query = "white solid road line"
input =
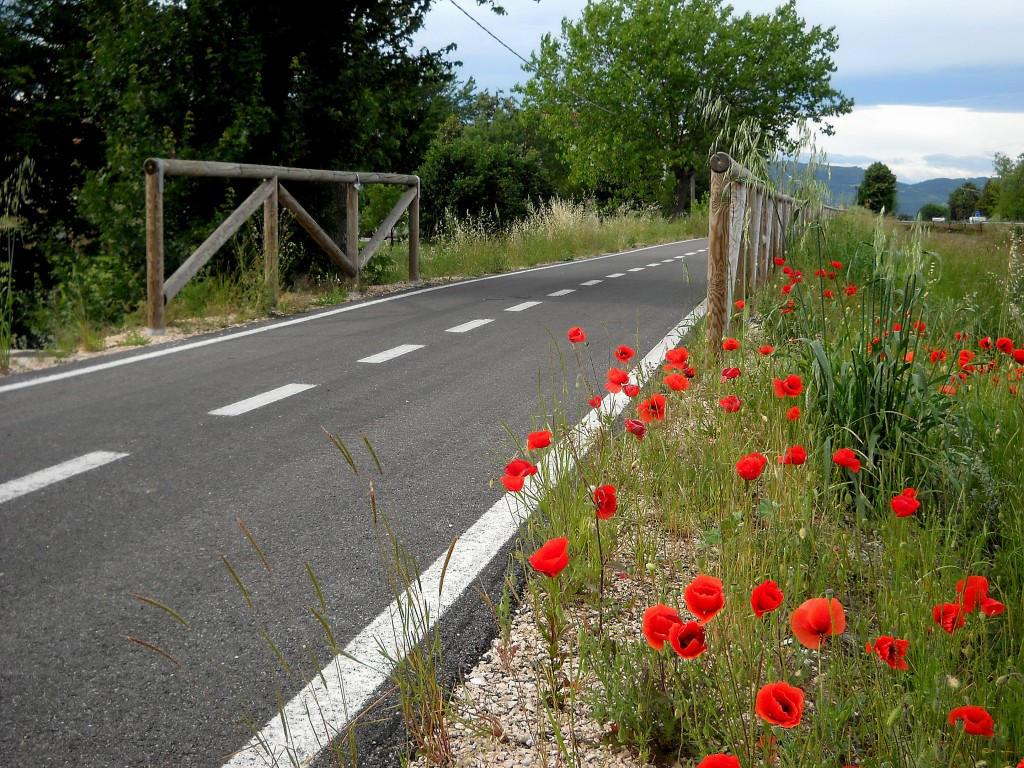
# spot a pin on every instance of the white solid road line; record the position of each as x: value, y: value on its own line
x: 172, y: 350
x: 616, y: 274
x: 321, y: 710
x: 592, y: 282
x: 636, y: 269
x: 391, y: 354
x: 258, y: 401
x: 521, y: 307
x: 12, y: 489
x: 563, y: 292
x: 470, y: 325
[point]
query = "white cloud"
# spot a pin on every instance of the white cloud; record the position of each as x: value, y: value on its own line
x: 920, y: 143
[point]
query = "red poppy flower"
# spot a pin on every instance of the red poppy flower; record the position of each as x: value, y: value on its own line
x: 730, y: 344
x: 958, y: 335
x: 977, y: 721
x: 689, y: 372
x: 616, y: 378
x: 1018, y: 356
x: 739, y: 303
x: 816, y: 619
x: 919, y: 326
x: 630, y: 390
x: 788, y: 271
x: 964, y: 358
x: 972, y: 591
x: 992, y: 607
x: 985, y: 343
x: 728, y: 374
x: 725, y: 761
x: 540, y: 439
x: 891, y: 650
x: 795, y: 454
x: 905, y: 503
x: 576, y: 335
x: 652, y: 408
x: 730, y: 403
x: 595, y: 401
x: 765, y: 350
x: 851, y: 290
x: 1004, y: 344
x: 780, y: 704
x: 636, y: 428
x: 793, y: 413
x: 845, y: 457
x: 516, y: 473
x: 658, y: 621
x: 606, y: 501
x: 624, y: 353
x: 787, y: 288
x: 765, y: 598
x: 676, y: 382
x: 704, y: 597
x: 897, y: 327
x: 829, y: 293
x: 687, y: 639
x: 750, y: 466
x: 948, y: 616
x: 552, y: 557
x: 938, y: 356
x: 779, y: 261
x: 676, y: 358
x: 836, y: 264
x: 791, y: 386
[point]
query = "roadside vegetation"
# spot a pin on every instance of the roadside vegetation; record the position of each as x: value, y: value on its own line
x: 821, y: 522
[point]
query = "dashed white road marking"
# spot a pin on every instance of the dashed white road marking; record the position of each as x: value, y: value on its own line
x: 689, y: 253
x: 303, y: 727
x: 563, y: 292
x: 258, y: 401
x: 470, y: 325
x: 667, y: 261
x: 592, y: 282
x: 391, y: 354
x: 521, y: 307
x: 175, y: 349
x: 12, y: 489
x: 635, y: 269
x: 680, y: 258
x: 616, y: 274
x: 654, y: 264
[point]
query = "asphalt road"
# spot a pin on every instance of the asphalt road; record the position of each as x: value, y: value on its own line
x: 74, y: 691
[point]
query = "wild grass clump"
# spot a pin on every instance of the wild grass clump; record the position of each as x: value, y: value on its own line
x: 822, y: 538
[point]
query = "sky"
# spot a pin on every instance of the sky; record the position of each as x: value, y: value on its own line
x: 938, y: 84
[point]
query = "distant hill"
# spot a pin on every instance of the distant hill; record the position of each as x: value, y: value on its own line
x: 909, y: 197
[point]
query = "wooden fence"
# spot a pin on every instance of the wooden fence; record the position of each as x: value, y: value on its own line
x: 271, y: 194
x: 748, y: 227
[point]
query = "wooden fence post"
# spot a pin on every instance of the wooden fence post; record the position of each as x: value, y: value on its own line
x: 154, y: 248
x: 414, y: 236
x: 737, y: 218
x: 718, y: 254
x: 352, y: 228
x: 753, y: 242
x: 271, y: 245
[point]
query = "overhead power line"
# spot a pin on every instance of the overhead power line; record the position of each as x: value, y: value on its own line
x: 500, y: 42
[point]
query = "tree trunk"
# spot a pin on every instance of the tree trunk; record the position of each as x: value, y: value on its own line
x: 685, y: 191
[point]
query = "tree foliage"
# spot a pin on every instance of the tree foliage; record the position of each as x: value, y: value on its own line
x: 931, y: 211
x: 624, y: 88
x: 1010, y: 200
x: 963, y: 201
x: 878, y: 189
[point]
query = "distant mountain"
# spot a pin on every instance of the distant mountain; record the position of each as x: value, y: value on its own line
x: 844, y: 180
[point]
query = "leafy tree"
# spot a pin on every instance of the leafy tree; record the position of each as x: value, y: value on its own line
x: 989, y: 199
x: 1010, y: 205
x: 931, y: 211
x: 963, y: 201
x: 483, y: 171
x: 621, y: 88
x: 878, y: 189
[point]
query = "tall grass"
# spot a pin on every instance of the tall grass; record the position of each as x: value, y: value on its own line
x: 817, y: 529
x: 13, y: 195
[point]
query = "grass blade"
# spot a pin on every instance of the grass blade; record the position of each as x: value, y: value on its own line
x: 155, y: 649
x: 255, y: 546
x: 165, y: 608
